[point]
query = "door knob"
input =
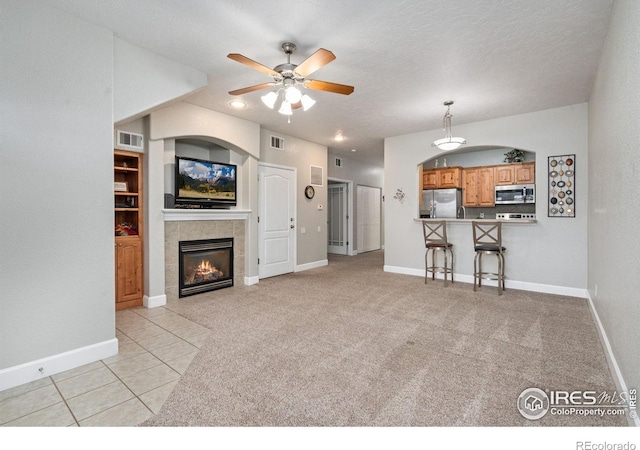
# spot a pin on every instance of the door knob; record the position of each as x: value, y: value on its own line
x: 292, y: 226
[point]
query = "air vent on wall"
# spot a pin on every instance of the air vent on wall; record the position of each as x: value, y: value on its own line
x: 277, y: 142
x: 130, y: 140
x: 338, y: 162
x: 316, y: 176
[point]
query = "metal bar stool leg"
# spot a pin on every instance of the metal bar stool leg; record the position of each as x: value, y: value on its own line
x: 426, y: 266
x: 451, y: 266
x: 444, y: 271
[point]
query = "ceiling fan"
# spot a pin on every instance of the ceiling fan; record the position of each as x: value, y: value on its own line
x: 288, y: 77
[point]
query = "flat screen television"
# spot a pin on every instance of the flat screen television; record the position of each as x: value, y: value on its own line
x: 206, y: 184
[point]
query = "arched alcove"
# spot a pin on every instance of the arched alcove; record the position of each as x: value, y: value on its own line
x: 477, y: 155
x: 468, y: 160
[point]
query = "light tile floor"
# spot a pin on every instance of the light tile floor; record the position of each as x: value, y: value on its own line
x: 155, y: 348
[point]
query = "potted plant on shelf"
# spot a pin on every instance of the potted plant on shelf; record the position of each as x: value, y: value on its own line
x: 514, y: 155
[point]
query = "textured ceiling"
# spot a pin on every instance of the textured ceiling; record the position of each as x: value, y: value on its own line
x: 494, y: 58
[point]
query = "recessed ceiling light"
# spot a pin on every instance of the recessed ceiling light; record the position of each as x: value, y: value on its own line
x: 237, y: 104
x: 354, y: 150
x: 339, y: 138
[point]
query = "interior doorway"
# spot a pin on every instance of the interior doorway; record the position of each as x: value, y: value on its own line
x: 338, y: 218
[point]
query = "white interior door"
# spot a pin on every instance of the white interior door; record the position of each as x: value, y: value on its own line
x: 276, y: 221
x: 369, y: 222
x: 338, y: 231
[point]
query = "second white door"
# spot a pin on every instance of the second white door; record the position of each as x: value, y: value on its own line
x: 369, y: 221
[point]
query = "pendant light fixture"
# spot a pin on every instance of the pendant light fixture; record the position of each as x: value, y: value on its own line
x: 448, y: 142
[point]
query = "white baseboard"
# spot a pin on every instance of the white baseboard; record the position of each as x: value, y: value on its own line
x: 311, y: 265
x: 155, y: 301
x: 250, y: 281
x: 621, y: 386
x: 509, y: 284
x: 51, y: 365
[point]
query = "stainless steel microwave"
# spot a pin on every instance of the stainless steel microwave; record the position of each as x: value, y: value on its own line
x: 515, y: 194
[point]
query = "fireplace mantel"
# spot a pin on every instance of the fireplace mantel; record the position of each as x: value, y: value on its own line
x: 173, y: 215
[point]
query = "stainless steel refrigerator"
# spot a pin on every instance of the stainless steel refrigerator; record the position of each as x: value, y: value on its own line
x: 441, y: 203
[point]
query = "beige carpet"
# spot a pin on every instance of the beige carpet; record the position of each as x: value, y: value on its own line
x: 350, y: 345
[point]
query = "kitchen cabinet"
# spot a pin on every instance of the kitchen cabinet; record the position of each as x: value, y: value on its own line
x: 449, y: 177
x: 503, y: 175
x: 442, y: 178
x: 525, y: 173
x: 478, y: 186
x: 430, y: 179
x: 521, y: 173
x: 486, y: 191
x: 470, y: 187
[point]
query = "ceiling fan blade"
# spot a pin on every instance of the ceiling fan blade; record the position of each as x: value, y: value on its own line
x: 296, y: 105
x: 251, y: 63
x: 257, y: 87
x: 329, y: 87
x: 320, y: 58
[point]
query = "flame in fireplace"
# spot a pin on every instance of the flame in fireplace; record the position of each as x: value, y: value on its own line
x: 205, y: 271
x: 205, y: 267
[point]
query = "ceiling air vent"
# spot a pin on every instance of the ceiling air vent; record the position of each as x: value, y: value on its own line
x: 130, y: 140
x: 316, y: 176
x: 277, y: 143
x: 338, y: 162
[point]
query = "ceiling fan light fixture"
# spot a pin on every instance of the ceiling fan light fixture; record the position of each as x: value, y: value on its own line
x: 307, y: 102
x: 285, y: 108
x: 293, y: 94
x: 287, y: 79
x: 270, y: 99
x: 448, y: 142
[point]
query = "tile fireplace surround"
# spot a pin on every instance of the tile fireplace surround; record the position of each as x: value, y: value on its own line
x: 196, y: 227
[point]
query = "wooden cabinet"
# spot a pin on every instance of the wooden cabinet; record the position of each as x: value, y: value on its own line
x: 430, y: 179
x: 503, y: 175
x: 486, y: 188
x: 478, y: 186
x: 128, y: 273
x: 128, y: 199
x: 470, y: 187
x: 443, y: 178
x: 449, y: 177
x: 525, y: 173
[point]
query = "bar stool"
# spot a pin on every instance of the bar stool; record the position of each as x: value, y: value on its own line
x: 487, y: 240
x: 435, y: 239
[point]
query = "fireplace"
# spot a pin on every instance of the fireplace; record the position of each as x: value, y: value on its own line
x: 205, y: 265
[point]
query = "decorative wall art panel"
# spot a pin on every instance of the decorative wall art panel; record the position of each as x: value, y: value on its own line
x: 562, y: 186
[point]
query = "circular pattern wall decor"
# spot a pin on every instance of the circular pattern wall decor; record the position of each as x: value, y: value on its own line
x: 561, y: 170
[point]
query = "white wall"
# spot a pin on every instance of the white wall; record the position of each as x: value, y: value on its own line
x: 144, y: 80
x: 614, y: 191
x: 186, y: 120
x: 56, y: 171
x: 312, y: 245
x: 549, y: 254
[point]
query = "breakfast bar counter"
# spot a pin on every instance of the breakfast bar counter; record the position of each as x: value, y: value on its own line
x: 504, y: 221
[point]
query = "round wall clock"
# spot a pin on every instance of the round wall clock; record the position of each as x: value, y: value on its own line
x: 309, y: 192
